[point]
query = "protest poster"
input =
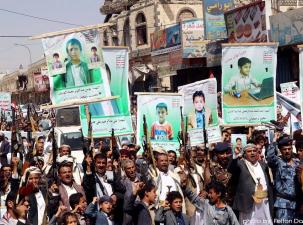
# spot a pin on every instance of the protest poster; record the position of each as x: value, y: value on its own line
x: 291, y: 90
x: 247, y: 23
x: 196, y: 136
x: 163, y: 118
x: 214, y: 18
x: 248, y: 83
x: 166, y: 40
x: 41, y: 82
x: 76, y: 67
x: 200, y: 103
x: 238, y: 142
x: 5, y: 106
x: 113, y: 114
x: 193, y: 43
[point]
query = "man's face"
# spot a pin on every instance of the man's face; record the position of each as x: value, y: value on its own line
x: 66, y: 175
x: 94, y: 51
x: 199, y: 103
x: 124, y: 157
x: 6, y: 173
x: 82, y: 204
x: 162, y: 163
x: 74, y: 52
x: 245, y: 69
x: 193, y: 154
x: 300, y: 153
x: 40, y: 147
x: 161, y: 114
x: 34, y: 179
x: 100, y: 166
x: 171, y: 158
x: 56, y: 58
x: 22, y: 208
x: 130, y: 170
x: 200, y: 155
x: 251, y: 155
x: 226, y: 137
x: 239, y: 142
x: 286, y: 152
x: 223, y: 157
x: 64, y: 151
x: 106, y: 207
x: 71, y: 220
x: 213, y: 196
x: 151, y: 196
x: 176, y: 205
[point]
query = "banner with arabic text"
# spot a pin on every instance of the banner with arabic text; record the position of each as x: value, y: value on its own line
x: 248, y: 83
x: 163, y: 118
x: 113, y: 114
x: 5, y: 106
x: 76, y: 67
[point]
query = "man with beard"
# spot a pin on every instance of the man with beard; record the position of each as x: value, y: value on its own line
x: 253, y: 197
x: 166, y: 181
x: 284, y: 168
x: 218, y: 168
x: 67, y: 185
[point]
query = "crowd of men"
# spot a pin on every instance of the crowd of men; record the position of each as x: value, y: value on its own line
x: 259, y: 183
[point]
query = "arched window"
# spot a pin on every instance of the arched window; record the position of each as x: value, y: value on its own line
x: 141, y: 29
x: 186, y: 14
x: 126, y: 33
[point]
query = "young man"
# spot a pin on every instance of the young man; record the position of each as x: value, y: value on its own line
x: 103, y: 214
x: 171, y: 210
x: 56, y: 63
x: 138, y: 211
x: 200, y: 113
x: 284, y: 168
x: 95, y: 57
x: 243, y: 80
x: 214, y: 210
x: 161, y: 129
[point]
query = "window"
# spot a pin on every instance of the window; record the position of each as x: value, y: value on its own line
x: 126, y: 33
x: 186, y: 14
x: 141, y: 30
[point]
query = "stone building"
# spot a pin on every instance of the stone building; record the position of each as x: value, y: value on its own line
x: 130, y: 23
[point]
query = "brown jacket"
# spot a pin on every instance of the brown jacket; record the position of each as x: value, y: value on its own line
x: 64, y: 196
x: 192, y: 120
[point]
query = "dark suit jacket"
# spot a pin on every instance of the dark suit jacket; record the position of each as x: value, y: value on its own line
x: 135, y: 213
x: 4, y: 150
x: 168, y: 217
x: 245, y: 186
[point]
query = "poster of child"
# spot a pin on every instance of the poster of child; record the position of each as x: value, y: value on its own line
x: 238, y: 142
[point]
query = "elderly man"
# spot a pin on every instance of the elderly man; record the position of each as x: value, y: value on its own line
x: 284, y: 168
x: 4, y: 149
x: 254, y: 197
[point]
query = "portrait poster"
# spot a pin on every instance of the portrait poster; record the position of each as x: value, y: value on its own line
x: 214, y: 18
x: 112, y: 114
x: 193, y: 43
x: 200, y: 102
x: 238, y: 142
x: 291, y: 90
x: 163, y: 118
x: 247, y: 23
x: 5, y: 106
x: 76, y: 67
x: 41, y: 82
x: 248, y: 83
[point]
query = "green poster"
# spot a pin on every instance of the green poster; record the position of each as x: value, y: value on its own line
x: 76, y: 67
x: 248, y: 83
x: 200, y: 106
x: 114, y: 114
x: 163, y: 118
